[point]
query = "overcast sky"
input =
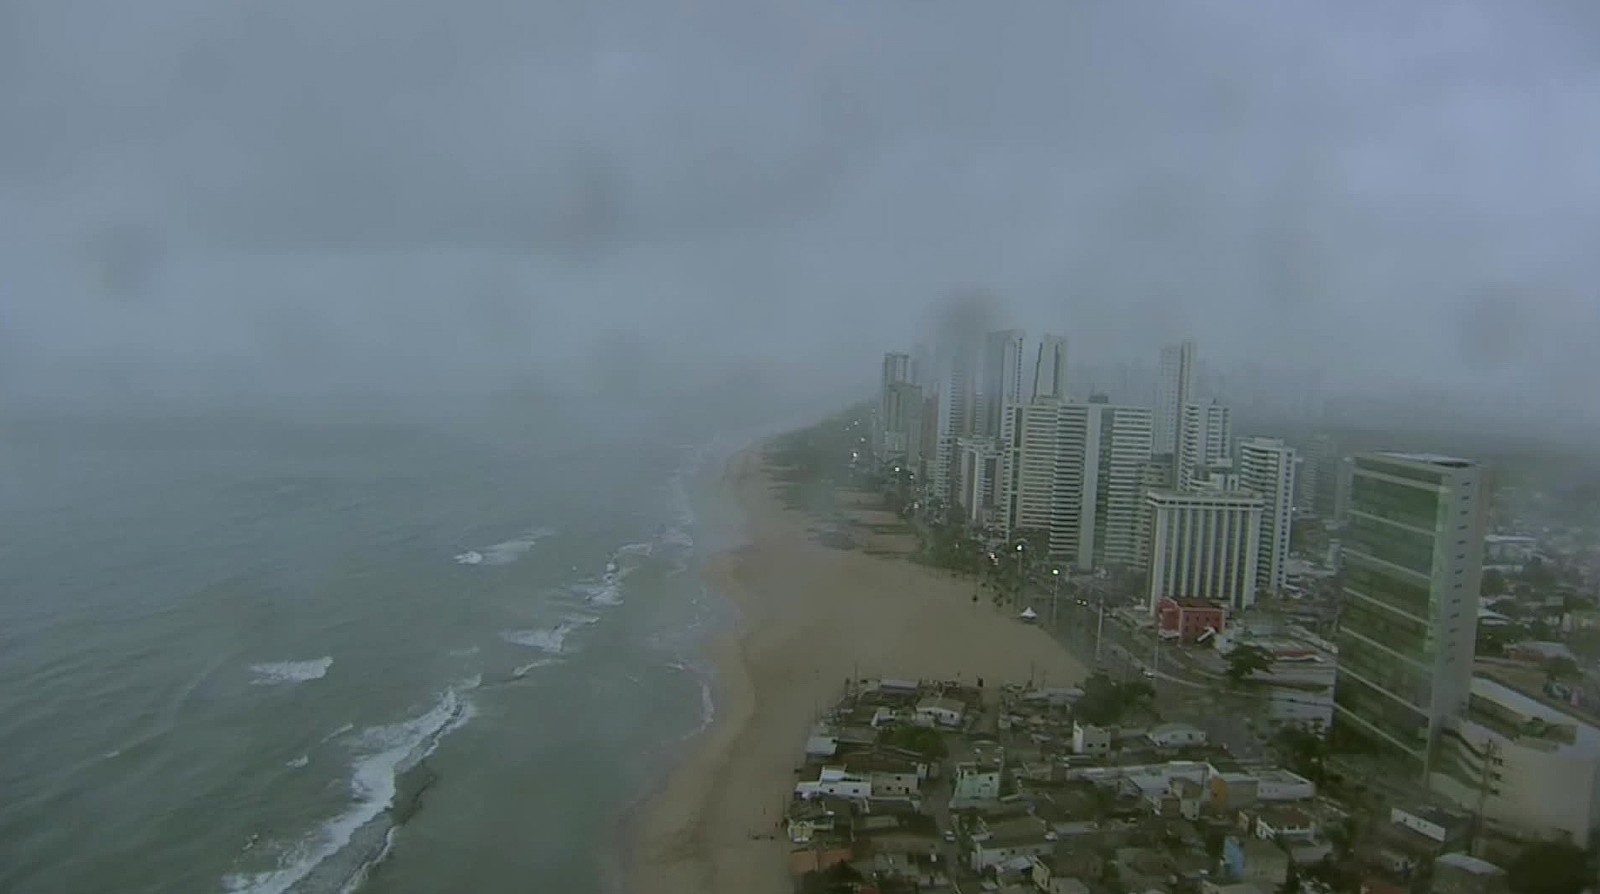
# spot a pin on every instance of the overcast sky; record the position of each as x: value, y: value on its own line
x: 333, y: 193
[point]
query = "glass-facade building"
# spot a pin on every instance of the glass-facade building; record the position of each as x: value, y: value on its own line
x: 1412, y: 559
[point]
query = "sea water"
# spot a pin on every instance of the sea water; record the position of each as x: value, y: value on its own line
x: 290, y: 656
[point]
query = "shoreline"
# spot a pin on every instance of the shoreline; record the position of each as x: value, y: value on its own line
x: 808, y: 616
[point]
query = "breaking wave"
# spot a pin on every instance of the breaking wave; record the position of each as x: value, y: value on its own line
x: 273, y: 673
x: 506, y: 552
x: 387, y: 780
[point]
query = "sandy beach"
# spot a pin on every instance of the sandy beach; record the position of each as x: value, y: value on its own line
x: 811, y: 616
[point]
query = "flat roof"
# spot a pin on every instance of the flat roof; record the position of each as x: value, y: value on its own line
x: 1432, y: 459
x: 1588, y: 736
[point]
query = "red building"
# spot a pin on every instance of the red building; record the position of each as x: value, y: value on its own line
x: 1189, y: 619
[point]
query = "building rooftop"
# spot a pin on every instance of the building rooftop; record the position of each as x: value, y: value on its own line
x: 1286, y: 817
x: 1432, y: 459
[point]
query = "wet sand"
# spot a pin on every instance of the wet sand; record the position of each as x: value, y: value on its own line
x: 811, y: 616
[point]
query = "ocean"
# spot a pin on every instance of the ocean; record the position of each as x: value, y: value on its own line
x: 269, y: 655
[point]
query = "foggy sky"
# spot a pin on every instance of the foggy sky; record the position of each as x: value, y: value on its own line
x: 208, y: 195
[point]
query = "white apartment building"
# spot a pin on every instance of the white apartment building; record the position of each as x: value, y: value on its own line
x: 1267, y: 468
x: 896, y: 370
x: 1204, y: 546
x: 1205, y: 441
x: 1175, y: 387
x: 956, y: 389
x: 978, y: 478
x: 1075, y: 471
x: 1531, y: 765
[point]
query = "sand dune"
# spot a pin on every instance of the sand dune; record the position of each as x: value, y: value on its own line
x: 812, y: 615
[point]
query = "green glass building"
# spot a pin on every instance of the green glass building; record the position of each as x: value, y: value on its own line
x: 1412, y: 561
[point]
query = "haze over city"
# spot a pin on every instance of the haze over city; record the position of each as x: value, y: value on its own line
x: 206, y: 198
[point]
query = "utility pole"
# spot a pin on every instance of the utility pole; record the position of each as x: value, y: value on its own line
x: 1491, y: 753
x: 1099, y: 628
x: 1155, y: 658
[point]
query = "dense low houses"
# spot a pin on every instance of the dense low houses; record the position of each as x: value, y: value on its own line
x: 931, y: 787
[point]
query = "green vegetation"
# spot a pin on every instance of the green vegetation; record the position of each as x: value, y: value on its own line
x: 1562, y: 668
x: 1303, y: 752
x: 1244, y: 661
x: 810, y: 462
x: 924, y: 741
x: 1494, y: 583
x: 1105, y: 701
x: 1550, y: 868
x: 840, y: 877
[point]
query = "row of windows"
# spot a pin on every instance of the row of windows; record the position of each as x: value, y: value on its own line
x: 1403, y: 724
x: 1388, y: 587
x: 1379, y: 667
x: 1397, y: 546
x: 1369, y: 464
x: 1403, y: 635
x: 1407, y: 505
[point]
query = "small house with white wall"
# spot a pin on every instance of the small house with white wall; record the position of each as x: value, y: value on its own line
x: 975, y: 784
x: 837, y: 782
x: 936, y: 710
x: 1090, y: 739
x: 1176, y: 735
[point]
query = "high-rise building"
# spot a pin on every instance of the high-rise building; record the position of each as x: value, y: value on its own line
x: 896, y: 371
x: 955, y: 390
x: 900, y: 424
x: 1074, y: 471
x: 1156, y: 474
x: 1266, y: 468
x: 1318, y: 478
x: 1412, y: 557
x: 1124, y: 438
x: 1175, y: 381
x: 1050, y: 369
x: 1002, y: 379
x: 1205, y: 442
x: 1204, y: 546
x: 979, y: 474
x: 1343, y: 475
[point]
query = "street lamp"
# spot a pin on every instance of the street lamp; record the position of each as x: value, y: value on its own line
x: 1055, y: 594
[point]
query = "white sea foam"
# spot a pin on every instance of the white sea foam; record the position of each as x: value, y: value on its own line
x: 531, y: 666
x: 385, y: 753
x: 345, y: 728
x: 273, y: 673
x: 548, y: 639
x: 506, y: 552
x: 608, y: 589
x: 708, y: 705
x: 298, y: 762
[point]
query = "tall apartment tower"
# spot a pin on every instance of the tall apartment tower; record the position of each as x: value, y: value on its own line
x: 1413, y: 560
x: 1205, y: 442
x: 1267, y: 469
x: 1204, y: 546
x: 900, y: 424
x: 1050, y: 369
x: 956, y: 415
x: 1074, y: 471
x: 896, y: 371
x: 1002, y: 379
x: 1175, y: 380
